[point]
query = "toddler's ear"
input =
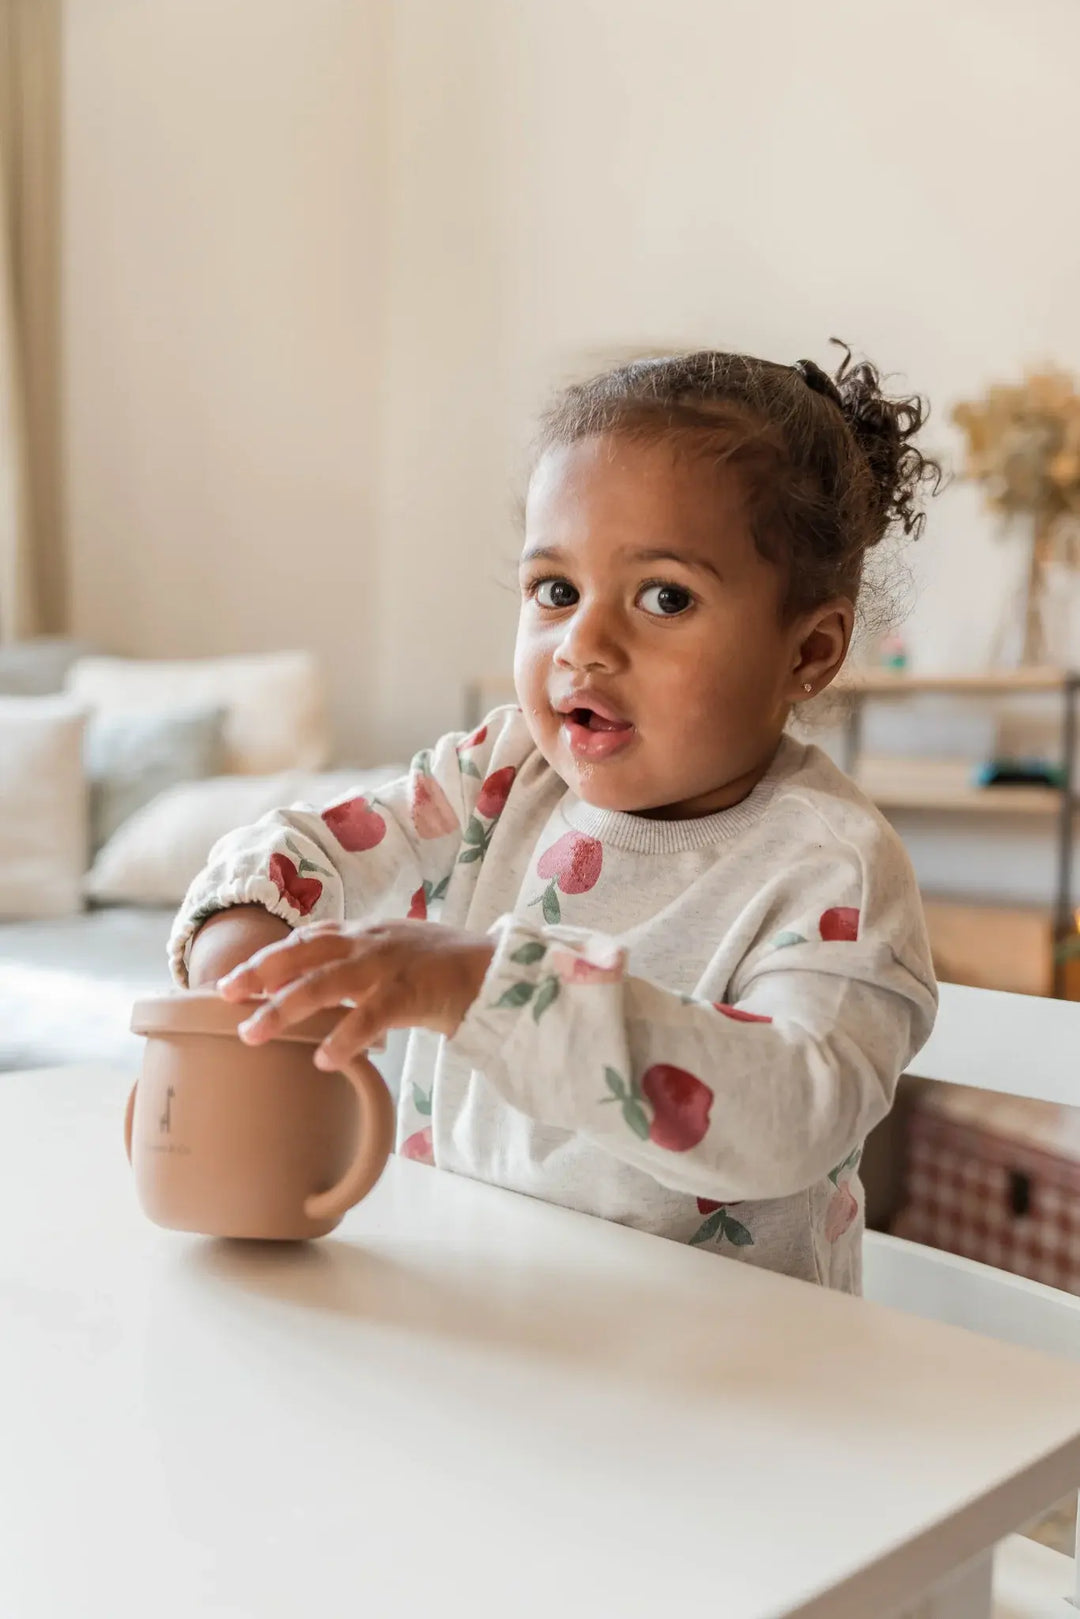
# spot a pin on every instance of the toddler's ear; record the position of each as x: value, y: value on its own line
x: 820, y: 642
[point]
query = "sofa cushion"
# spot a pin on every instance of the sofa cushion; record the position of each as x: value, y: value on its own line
x: 276, y: 715
x: 43, y: 807
x: 153, y: 858
x: 39, y: 667
x: 132, y: 757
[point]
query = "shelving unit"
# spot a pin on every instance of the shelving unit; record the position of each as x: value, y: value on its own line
x: 944, y: 786
x: 992, y: 683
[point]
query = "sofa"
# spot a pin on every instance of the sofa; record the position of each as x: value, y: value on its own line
x: 132, y: 770
x: 67, y: 985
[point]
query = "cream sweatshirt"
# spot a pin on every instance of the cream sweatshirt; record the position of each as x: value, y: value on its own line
x: 688, y: 1026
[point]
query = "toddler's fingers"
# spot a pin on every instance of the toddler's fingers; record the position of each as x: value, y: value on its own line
x: 241, y: 983
x: 356, y: 1032
x: 325, y: 986
x: 278, y: 964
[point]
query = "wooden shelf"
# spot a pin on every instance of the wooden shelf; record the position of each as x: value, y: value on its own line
x: 945, y: 784
x: 991, y: 683
x: 879, y: 683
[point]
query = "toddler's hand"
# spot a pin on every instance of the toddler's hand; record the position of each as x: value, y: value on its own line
x: 392, y: 975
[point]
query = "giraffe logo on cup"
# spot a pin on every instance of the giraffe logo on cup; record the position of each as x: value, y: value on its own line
x: 165, y: 1122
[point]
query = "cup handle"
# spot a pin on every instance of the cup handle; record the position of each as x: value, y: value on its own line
x: 129, y: 1120
x: 376, y: 1133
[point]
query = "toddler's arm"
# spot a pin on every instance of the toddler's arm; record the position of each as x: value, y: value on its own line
x: 757, y: 1100
x: 228, y: 938
x: 390, y: 854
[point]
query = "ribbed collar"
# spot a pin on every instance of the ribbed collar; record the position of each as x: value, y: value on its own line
x: 643, y: 835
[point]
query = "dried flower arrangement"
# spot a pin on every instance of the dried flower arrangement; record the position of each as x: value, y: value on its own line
x: 1023, y: 446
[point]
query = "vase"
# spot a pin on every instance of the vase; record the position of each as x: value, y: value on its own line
x: 1034, y: 650
x: 1024, y: 636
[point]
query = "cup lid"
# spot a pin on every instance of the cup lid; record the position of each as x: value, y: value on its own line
x: 202, y: 1011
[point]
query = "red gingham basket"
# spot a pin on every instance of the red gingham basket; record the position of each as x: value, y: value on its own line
x: 997, y: 1179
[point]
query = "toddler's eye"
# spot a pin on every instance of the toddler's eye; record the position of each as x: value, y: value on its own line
x: 555, y: 593
x: 665, y: 601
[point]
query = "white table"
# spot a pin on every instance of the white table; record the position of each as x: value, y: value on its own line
x: 470, y: 1403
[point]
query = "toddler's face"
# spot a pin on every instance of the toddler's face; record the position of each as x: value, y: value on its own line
x: 653, y: 664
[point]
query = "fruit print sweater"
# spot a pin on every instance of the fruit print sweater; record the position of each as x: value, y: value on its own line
x: 687, y: 1026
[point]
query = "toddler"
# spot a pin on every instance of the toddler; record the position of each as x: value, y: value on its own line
x: 661, y: 962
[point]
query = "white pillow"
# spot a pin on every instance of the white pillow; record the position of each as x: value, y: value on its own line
x: 153, y: 857
x: 275, y: 704
x: 44, y: 824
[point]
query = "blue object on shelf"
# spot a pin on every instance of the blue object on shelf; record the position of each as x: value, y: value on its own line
x: 1019, y: 773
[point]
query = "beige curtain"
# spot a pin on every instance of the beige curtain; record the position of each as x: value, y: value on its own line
x: 33, y: 593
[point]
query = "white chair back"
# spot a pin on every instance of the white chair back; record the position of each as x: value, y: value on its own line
x: 963, y: 1293
x: 1021, y: 1046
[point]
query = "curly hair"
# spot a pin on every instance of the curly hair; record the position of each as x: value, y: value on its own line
x: 828, y: 465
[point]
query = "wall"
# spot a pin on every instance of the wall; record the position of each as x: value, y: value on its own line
x: 447, y: 539
x: 761, y: 177
x: 223, y: 225
x: 630, y: 173
x: 306, y: 335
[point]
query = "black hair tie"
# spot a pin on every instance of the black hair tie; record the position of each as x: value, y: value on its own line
x: 817, y: 380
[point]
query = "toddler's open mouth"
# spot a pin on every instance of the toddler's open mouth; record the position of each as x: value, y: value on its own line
x: 593, y: 721
x: 591, y: 735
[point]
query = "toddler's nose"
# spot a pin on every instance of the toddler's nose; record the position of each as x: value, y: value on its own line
x: 590, y: 642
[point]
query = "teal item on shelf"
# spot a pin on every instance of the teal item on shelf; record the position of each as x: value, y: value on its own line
x: 1007, y: 772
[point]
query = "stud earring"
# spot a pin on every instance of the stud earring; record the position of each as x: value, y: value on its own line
x: 809, y: 686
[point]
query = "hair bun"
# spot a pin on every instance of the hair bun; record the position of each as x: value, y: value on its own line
x: 884, y: 428
x: 819, y: 381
